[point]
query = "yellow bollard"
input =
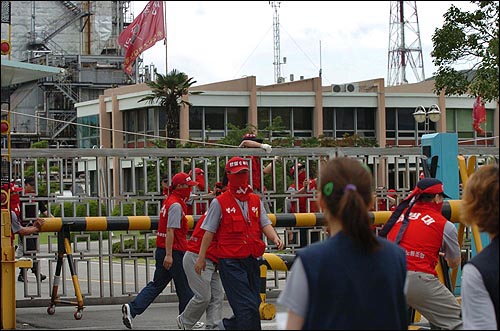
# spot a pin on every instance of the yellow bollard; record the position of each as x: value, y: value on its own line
x: 9, y: 265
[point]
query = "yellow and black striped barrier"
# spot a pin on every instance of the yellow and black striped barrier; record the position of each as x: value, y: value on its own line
x: 450, y: 210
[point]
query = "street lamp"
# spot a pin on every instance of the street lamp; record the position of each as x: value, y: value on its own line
x: 421, y: 115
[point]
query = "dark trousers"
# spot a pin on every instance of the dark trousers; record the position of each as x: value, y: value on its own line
x: 160, y: 280
x: 241, y: 281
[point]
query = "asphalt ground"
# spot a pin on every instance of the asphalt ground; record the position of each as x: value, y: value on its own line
x: 158, y: 316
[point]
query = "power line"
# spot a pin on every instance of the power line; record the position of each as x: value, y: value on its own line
x: 115, y: 130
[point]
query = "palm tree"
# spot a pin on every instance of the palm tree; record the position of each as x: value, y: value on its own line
x: 168, y: 91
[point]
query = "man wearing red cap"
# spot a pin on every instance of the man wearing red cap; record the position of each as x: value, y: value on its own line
x: 171, y: 244
x: 237, y: 218
x: 419, y: 227
x: 15, y: 212
x: 302, y: 200
x: 195, y: 204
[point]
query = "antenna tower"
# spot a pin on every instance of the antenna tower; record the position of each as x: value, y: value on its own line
x: 276, y: 33
x: 405, y: 47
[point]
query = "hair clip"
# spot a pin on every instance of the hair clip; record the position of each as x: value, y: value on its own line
x: 350, y: 187
x: 328, y: 189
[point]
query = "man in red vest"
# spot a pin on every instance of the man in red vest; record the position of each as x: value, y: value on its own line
x: 419, y: 227
x: 171, y: 244
x: 238, y: 219
x: 302, y: 200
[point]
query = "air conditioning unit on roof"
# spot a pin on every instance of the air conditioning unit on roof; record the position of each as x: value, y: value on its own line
x: 352, y: 87
x: 336, y: 88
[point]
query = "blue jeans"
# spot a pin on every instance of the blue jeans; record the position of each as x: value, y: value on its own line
x: 241, y: 281
x: 161, y: 279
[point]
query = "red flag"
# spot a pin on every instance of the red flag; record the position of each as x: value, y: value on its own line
x: 147, y: 29
x: 478, y: 115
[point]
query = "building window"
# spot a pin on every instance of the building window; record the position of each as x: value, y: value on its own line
x: 213, y: 123
x: 142, y: 126
x: 293, y: 121
x: 401, y: 127
x: 340, y: 121
x: 460, y: 121
x: 88, y: 131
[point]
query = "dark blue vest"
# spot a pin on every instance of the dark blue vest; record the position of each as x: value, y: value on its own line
x: 352, y: 289
x: 487, y: 264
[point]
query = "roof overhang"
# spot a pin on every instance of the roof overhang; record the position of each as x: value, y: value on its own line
x: 16, y: 72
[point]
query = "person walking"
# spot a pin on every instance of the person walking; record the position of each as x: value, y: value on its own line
x: 418, y: 226
x: 207, y: 288
x: 238, y: 219
x: 15, y: 211
x: 171, y: 243
x: 479, y: 291
x: 28, y: 213
x: 352, y: 280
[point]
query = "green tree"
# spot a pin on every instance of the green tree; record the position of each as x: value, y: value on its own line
x: 168, y: 91
x: 472, y: 38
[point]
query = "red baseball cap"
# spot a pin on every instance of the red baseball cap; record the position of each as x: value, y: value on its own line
x: 183, y: 178
x: 197, y: 171
x: 251, y: 136
x: 236, y: 164
x: 299, y: 166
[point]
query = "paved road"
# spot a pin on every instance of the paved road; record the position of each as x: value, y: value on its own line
x: 109, y: 317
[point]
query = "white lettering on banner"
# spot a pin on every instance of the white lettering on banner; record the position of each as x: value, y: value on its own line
x: 161, y: 234
x: 428, y: 220
x: 230, y: 210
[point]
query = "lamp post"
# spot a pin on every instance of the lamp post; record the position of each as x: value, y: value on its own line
x: 422, y: 115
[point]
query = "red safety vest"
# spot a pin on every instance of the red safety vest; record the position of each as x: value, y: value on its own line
x: 423, y: 237
x: 194, y: 242
x: 239, y: 237
x: 180, y: 241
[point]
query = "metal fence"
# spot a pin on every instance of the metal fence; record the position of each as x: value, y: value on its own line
x: 125, y: 182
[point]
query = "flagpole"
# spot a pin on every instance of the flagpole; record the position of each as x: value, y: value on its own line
x: 165, y: 41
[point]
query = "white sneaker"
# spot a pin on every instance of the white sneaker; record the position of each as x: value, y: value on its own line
x: 180, y: 325
x: 198, y: 325
x: 127, y: 318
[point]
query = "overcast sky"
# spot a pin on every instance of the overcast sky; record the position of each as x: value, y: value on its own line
x: 214, y: 41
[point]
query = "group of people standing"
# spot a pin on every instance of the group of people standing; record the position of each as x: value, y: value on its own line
x: 355, y: 279
x: 221, y: 256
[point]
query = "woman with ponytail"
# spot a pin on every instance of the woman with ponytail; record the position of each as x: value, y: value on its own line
x: 352, y: 280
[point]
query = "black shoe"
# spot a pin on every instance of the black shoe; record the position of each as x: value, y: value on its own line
x: 20, y: 278
x: 42, y: 277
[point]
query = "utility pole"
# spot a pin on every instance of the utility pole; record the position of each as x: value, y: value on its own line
x: 405, y: 46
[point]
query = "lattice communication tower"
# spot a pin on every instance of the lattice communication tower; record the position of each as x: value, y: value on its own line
x: 405, y: 46
x: 276, y: 34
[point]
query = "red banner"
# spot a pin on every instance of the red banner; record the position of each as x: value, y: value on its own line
x: 478, y: 116
x: 147, y: 29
